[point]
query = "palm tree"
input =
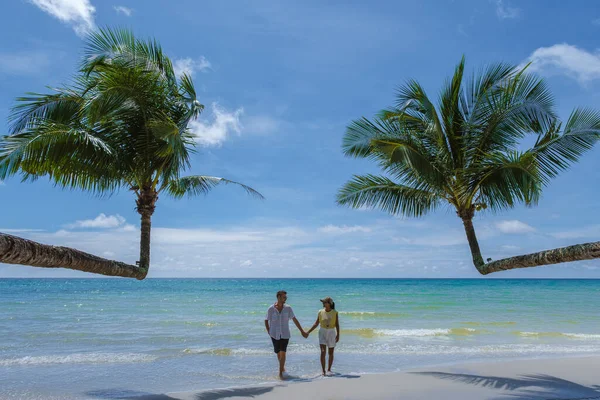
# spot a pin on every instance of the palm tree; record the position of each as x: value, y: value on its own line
x: 465, y: 153
x: 123, y: 123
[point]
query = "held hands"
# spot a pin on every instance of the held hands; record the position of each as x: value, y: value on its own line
x: 337, y: 338
x: 304, y: 334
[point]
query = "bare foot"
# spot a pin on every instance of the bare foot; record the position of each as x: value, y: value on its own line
x: 281, y: 376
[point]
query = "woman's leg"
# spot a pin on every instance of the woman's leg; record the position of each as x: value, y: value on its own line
x: 331, y: 349
x: 323, y: 351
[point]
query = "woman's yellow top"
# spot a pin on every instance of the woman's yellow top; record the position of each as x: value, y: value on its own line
x: 327, y: 319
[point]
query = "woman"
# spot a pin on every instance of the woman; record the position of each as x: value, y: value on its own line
x: 329, y: 333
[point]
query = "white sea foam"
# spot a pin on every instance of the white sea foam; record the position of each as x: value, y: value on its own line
x: 225, y: 351
x: 508, y: 350
x: 79, y: 358
x: 412, y: 332
x: 582, y: 336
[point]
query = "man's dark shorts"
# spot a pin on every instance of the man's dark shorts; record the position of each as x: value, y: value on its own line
x: 280, y: 345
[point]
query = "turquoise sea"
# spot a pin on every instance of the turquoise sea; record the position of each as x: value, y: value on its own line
x: 117, y: 339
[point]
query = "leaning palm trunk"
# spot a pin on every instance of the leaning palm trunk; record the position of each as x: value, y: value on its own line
x: 578, y: 252
x: 15, y: 250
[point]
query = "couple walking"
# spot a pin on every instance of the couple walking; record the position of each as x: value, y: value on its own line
x: 277, y: 323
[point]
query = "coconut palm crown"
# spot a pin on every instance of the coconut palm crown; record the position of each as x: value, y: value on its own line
x: 122, y: 123
x: 466, y: 151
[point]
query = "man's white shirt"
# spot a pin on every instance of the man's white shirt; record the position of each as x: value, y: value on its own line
x: 279, y: 322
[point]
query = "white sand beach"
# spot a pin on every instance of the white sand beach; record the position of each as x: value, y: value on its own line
x: 565, y: 378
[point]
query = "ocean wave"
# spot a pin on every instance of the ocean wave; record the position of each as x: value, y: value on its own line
x: 370, y: 333
x: 493, y: 323
x: 371, y: 314
x: 226, y: 351
x: 79, y: 358
x: 484, y: 350
x: 582, y: 336
x: 413, y: 350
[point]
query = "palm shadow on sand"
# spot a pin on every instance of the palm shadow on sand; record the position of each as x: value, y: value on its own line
x: 216, y: 394
x: 526, y: 387
x: 125, y: 394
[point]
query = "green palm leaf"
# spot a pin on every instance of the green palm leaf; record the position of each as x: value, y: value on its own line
x: 380, y: 192
x: 201, y: 185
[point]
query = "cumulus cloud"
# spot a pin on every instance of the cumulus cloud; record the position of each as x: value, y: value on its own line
x: 566, y: 59
x: 79, y: 14
x: 190, y: 66
x: 101, y: 221
x: 123, y: 10
x: 223, y: 125
x: 514, y: 227
x: 247, y: 263
x: 503, y: 11
x: 340, y: 230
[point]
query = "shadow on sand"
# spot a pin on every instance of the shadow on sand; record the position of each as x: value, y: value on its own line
x: 215, y: 394
x: 124, y: 394
x: 208, y: 395
x: 526, y: 387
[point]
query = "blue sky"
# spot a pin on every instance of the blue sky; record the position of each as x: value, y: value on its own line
x: 281, y: 81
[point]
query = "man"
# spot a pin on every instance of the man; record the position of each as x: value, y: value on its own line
x: 277, y: 323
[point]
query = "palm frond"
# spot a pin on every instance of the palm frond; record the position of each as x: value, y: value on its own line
x: 451, y: 113
x: 382, y: 193
x: 504, y: 180
x: 201, y: 185
x: 120, y: 46
x: 555, y: 152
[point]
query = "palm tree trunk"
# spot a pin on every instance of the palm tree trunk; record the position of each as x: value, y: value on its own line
x: 467, y: 219
x: 578, y: 252
x: 146, y: 203
x: 16, y: 250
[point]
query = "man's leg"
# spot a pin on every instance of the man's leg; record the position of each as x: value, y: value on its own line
x: 331, y: 349
x: 281, y: 357
x: 323, y: 351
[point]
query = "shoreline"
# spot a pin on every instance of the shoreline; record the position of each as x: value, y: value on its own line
x: 572, y: 378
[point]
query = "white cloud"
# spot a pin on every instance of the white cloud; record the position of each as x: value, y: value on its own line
x: 340, y: 230
x: 123, y: 10
x: 596, y: 22
x: 510, y: 247
x: 566, y: 59
x: 504, y: 11
x: 128, y: 228
x: 216, y: 132
x: 190, y: 66
x: 275, y: 249
x: 2, y: 183
x: 261, y: 125
x: 373, y: 264
x: 514, y: 227
x: 101, y: 221
x: 77, y: 13
x: 24, y: 63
